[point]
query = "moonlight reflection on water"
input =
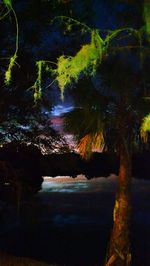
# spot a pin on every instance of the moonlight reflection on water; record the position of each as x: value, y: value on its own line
x: 79, y: 196
x: 78, y: 184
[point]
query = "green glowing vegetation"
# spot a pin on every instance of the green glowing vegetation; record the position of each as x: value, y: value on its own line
x: 85, y: 61
x: 12, y: 60
x: 42, y: 67
x: 8, y: 73
x: 145, y: 128
x: 147, y: 17
x: 8, y: 3
x: 38, y: 83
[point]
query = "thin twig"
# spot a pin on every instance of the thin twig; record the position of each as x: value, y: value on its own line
x: 2, y: 17
x: 50, y: 84
x: 73, y: 20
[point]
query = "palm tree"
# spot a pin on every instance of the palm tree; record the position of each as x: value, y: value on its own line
x: 115, y: 117
x: 108, y: 115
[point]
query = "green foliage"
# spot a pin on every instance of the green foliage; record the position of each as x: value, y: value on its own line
x: 85, y: 61
x: 145, y: 127
x: 12, y: 61
x: 8, y: 73
x: 38, y: 83
x: 8, y: 3
x: 147, y: 17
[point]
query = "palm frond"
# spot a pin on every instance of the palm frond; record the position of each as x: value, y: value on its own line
x: 89, y: 143
x: 84, y: 121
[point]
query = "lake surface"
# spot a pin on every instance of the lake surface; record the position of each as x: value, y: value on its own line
x: 97, y: 195
x: 69, y: 222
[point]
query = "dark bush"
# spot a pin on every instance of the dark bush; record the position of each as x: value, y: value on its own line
x: 20, y: 170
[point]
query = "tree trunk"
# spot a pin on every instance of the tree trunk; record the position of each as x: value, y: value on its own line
x: 119, y: 249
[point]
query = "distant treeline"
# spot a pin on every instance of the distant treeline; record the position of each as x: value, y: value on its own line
x: 22, y: 167
x: 71, y: 164
x: 100, y: 164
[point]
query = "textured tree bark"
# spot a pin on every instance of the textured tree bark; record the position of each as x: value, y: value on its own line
x: 119, y: 248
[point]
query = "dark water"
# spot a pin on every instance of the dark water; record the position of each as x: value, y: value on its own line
x: 69, y: 223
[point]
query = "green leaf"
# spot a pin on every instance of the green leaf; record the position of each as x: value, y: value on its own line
x: 8, y: 3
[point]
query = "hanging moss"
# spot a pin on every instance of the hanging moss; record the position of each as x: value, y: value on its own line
x: 146, y: 123
x: 145, y: 127
x: 85, y: 61
x: 12, y: 61
x: 8, y: 3
x: 69, y: 68
x: 8, y: 73
x: 146, y: 15
x: 38, y: 83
